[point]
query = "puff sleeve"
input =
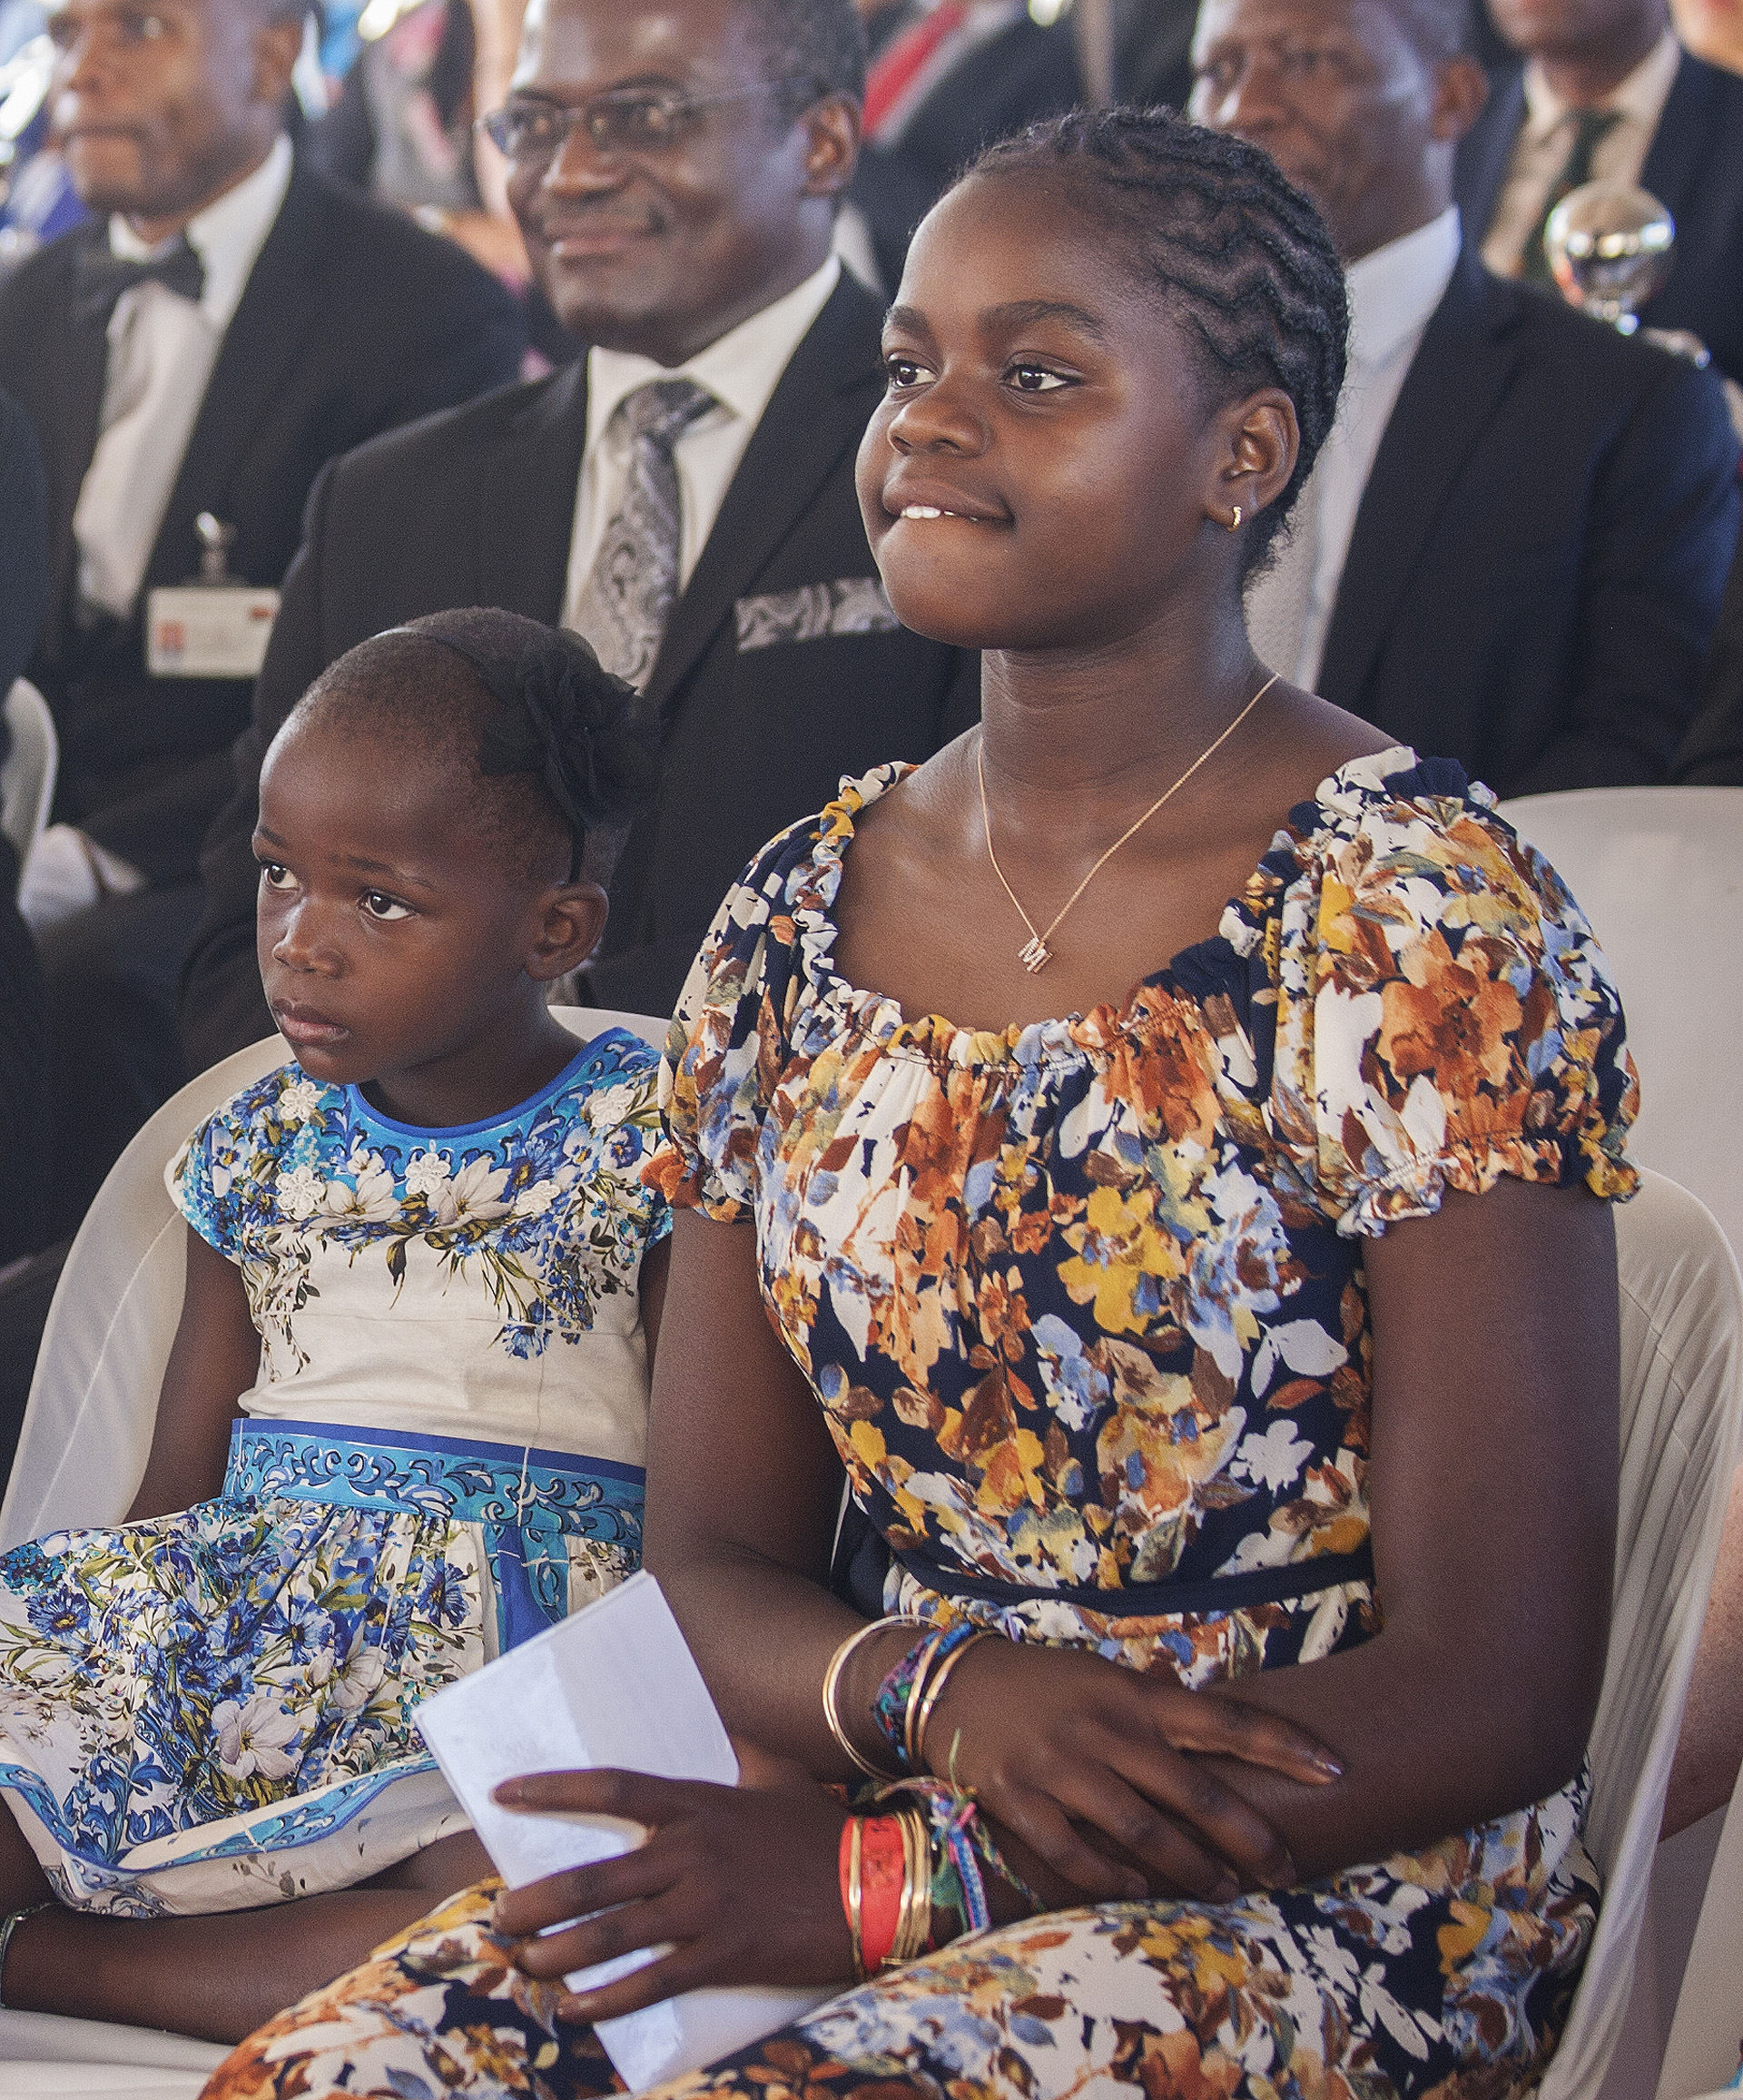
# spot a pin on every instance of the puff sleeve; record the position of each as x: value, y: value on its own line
x: 731, y: 1035
x: 222, y: 1174
x: 1444, y: 1014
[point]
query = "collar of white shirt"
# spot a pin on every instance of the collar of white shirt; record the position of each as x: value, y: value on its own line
x: 1641, y: 97
x: 741, y: 369
x: 1394, y: 290
x: 227, y: 236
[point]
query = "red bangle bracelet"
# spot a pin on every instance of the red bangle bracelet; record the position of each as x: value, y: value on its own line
x: 883, y: 1873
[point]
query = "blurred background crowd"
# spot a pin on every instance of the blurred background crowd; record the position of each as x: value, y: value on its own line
x: 241, y: 238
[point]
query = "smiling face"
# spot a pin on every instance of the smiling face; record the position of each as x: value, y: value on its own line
x: 164, y: 106
x: 1345, y: 103
x: 661, y: 249
x: 394, y: 943
x: 1047, y: 469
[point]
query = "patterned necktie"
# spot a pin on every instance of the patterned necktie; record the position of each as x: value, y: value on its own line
x: 1591, y: 128
x: 100, y: 277
x: 634, y: 583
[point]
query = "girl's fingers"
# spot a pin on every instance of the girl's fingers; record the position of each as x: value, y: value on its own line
x: 1038, y: 1820
x: 631, y: 1797
x: 1146, y: 1832
x: 660, y: 1922
x: 578, y: 1891
x: 1164, y: 1792
x: 686, y: 1969
x: 1228, y: 1728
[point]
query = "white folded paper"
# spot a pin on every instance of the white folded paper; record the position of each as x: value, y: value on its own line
x: 613, y: 1688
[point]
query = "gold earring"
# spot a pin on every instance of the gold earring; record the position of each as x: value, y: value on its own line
x: 1234, y: 523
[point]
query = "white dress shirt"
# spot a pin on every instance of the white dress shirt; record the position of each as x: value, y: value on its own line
x: 1393, y: 293
x: 741, y: 370
x: 1541, y: 150
x: 162, y: 349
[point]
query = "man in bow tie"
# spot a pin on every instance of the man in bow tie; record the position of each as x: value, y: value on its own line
x: 683, y: 496
x: 227, y: 323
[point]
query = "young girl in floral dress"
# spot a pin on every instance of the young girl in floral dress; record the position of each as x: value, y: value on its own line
x: 402, y: 1424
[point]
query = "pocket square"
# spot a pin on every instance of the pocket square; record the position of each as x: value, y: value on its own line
x: 851, y: 605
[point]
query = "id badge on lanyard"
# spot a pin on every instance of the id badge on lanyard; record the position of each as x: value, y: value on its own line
x: 215, y: 628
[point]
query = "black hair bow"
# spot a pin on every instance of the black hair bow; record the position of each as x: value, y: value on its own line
x: 564, y: 717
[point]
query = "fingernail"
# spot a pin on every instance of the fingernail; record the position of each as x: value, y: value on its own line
x: 1226, y: 1890
x: 1282, y: 1875
x: 1328, y: 1767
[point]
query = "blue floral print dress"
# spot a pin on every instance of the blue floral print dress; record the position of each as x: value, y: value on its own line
x: 1085, y: 1309
x: 442, y: 1452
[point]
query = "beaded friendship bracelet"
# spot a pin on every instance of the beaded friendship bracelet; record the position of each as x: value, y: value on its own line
x: 911, y: 1690
x: 832, y: 1687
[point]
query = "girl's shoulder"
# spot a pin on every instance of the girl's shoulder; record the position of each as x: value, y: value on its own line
x: 264, y: 1116
x: 1441, y: 1013
x: 244, y: 1144
x: 616, y: 1057
x: 1387, y: 847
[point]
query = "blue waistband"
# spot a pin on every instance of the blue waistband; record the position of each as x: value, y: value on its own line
x: 529, y: 1502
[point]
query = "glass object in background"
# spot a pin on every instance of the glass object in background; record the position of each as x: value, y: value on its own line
x: 1610, y: 247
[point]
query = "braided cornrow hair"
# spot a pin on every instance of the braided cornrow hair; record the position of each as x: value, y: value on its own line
x: 1241, y: 255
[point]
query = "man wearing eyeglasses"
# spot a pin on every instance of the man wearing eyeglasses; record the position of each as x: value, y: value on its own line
x: 684, y: 498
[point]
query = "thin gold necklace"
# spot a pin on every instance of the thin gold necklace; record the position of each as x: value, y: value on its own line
x: 1035, y: 954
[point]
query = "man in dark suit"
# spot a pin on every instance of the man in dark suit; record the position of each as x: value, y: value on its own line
x: 954, y: 78
x: 226, y: 325
x: 676, y: 166
x: 1512, y: 550
x: 1604, y: 90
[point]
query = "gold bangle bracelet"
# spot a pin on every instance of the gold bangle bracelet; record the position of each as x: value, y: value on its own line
x: 915, y: 1918
x: 915, y: 1690
x: 934, y: 1692
x: 832, y: 1685
x: 855, y: 1898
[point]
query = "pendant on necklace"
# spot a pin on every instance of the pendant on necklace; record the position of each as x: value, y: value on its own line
x: 1036, y: 956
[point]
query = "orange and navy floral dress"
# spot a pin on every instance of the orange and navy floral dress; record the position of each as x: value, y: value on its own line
x: 1084, y: 1307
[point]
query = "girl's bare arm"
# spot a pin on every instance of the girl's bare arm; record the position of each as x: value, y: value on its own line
x: 214, y: 1360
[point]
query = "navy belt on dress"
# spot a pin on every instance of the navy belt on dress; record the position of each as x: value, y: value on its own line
x: 1305, y: 1578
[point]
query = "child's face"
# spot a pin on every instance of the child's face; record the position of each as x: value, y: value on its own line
x: 391, y: 938
x: 1044, y: 470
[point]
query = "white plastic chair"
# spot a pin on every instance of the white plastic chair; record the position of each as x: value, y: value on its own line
x: 27, y: 777
x: 82, y: 1452
x: 1682, y: 1407
x: 1659, y: 872
x: 1705, y: 2042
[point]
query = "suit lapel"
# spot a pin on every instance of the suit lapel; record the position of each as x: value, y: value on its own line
x: 1673, y: 159
x: 83, y: 350
x: 820, y: 407
x: 1458, y: 372
x: 280, y: 305
x: 1487, y: 148
x: 526, y: 516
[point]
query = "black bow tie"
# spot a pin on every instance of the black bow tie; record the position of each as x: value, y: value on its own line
x: 101, y: 277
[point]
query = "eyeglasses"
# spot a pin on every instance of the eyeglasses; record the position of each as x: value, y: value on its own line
x: 533, y: 130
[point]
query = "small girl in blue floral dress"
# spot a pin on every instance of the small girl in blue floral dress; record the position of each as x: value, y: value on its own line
x: 403, y: 1422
